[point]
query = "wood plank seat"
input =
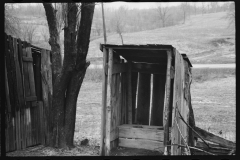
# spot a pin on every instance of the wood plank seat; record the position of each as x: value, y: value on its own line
x: 141, y: 136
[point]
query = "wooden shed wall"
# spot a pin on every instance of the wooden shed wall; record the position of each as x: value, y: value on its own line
x: 24, y: 109
x: 180, y: 133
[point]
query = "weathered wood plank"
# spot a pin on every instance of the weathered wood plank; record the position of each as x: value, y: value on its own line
x: 214, y: 138
x: 141, y: 133
x: 143, y: 103
x: 140, y: 126
x: 167, y: 102
x: 30, y: 98
x: 176, y: 102
x: 104, y: 102
x: 158, y: 94
x: 149, y: 68
x: 216, y: 149
x: 119, y: 68
x: 18, y: 74
x: 129, y: 96
x: 30, y: 71
x: 115, y: 104
x: 141, y: 143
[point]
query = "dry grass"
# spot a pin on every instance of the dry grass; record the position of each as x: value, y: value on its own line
x: 204, y: 38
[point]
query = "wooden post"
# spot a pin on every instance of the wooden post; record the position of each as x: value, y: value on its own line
x: 166, y: 104
x: 158, y: 99
x: 104, y: 101
x: 143, y: 102
x: 129, y: 106
x: 109, y: 108
x: 134, y: 90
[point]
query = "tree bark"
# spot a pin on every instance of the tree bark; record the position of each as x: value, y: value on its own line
x: 54, y: 39
x: 68, y: 82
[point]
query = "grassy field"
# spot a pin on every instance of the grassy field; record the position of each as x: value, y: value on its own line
x: 204, y: 38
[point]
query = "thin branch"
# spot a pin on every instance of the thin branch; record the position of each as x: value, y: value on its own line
x: 191, y: 127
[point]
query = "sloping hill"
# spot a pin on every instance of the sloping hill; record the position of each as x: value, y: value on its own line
x: 204, y: 38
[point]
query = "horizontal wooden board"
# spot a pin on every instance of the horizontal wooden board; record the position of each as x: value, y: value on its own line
x: 141, y: 133
x: 119, y: 68
x: 140, y: 126
x: 214, y: 138
x: 149, y: 68
x: 141, y: 144
x: 31, y: 98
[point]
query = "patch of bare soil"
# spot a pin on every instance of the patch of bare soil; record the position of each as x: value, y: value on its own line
x: 48, y: 151
x: 122, y: 151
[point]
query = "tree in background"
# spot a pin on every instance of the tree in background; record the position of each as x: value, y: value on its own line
x: 203, y: 8
x: 11, y: 22
x: 67, y: 78
x: 214, y: 6
x: 163, y: 14
x: 118, y: 21
x: 185, y: 8
x: 231, y: 14
x: 28, y: 32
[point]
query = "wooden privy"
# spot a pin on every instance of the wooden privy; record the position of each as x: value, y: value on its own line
x: 149, y: 87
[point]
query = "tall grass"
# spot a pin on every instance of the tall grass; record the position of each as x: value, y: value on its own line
x: 198, y: 74
x: 94, y: 75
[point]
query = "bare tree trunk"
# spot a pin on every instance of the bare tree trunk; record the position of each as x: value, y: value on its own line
x: 121, y: 37
x: 68, y: 82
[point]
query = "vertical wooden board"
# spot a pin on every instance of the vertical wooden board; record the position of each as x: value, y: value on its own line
x: 129, y: 97
x: 175, y: 136
x: 18, y: 74
x: 134, y: 92
x: 11, y: 68
x: 7, y: 138
x: 143, y: 103
x: 124, y: 97
x: 24, y: 127
x: 25, y: 71
x: 30, y: 71
x: 158, y: 94
x: 167, y: 101
x: 7, y: 90
x: 104, y: 102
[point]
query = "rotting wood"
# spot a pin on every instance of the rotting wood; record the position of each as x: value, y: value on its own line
x: 141, y: 144
x: 167, y: 102
x: 119, y: 68
x: 129, y: 96
x: 143, y: 103
x: 214, y: 138
x: 114, y: 103
x: 104, y: 102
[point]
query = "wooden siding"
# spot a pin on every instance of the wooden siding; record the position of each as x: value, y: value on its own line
x: 24, y: 110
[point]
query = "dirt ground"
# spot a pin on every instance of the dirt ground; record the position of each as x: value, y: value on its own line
x: 213, y: 101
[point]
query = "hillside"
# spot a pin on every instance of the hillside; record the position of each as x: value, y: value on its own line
x: 204, y: 38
